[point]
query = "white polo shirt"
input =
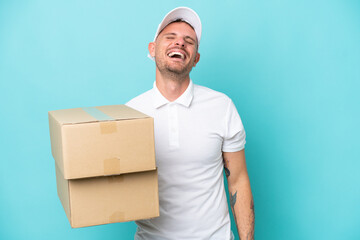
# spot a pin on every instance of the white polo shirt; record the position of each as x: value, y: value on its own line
x: 190, y: 135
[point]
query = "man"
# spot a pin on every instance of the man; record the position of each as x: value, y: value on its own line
x: 198, y: 133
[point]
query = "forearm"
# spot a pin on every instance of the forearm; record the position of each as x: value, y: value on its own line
x: 241, y: 200
x: 242, y: 206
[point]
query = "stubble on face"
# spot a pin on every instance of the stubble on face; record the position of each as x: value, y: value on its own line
x: 174, y: 72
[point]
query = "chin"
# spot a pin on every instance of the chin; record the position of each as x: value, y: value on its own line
x: 180, y: 71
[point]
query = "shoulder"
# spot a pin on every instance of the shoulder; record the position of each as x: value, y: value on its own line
x: 140, y: 98
x: 141, y: 102
x: 202, y: 93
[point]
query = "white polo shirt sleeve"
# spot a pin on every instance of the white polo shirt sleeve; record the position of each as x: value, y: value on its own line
x: 234, y: 138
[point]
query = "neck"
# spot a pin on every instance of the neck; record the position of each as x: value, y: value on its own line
x: 171, y: 87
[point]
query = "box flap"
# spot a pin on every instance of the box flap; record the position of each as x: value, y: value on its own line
x: 120, y: 112
x: 96, y: 114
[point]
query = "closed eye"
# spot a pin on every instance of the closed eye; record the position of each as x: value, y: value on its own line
x: 190, y: 40
x: 170, y: 35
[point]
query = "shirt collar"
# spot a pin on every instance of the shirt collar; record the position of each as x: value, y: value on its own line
x: 185, y: 98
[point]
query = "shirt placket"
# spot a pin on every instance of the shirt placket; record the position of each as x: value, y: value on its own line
x: 173, y: 125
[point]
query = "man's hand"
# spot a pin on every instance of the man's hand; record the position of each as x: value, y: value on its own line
x: 241, y: 200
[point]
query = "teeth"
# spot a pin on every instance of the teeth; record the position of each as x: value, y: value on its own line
x: 176, y: 53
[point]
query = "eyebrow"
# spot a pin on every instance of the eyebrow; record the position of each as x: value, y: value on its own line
x: 170, y: 33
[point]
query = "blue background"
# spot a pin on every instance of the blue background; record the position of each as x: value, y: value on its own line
x: 292, y: 69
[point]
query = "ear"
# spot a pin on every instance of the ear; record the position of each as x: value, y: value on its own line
x: 151, y: 48
x: 197, y: 58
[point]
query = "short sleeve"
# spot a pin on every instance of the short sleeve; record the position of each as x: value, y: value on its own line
x: 234, y: 137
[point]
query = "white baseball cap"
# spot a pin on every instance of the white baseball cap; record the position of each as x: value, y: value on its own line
x: 185, y: 14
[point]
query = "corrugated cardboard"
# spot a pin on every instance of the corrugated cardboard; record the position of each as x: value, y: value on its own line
x: 101, y: 141
x: 102, y: 200
x: 105, y: 164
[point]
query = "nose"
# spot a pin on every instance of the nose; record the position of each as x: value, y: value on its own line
x: 180, y: 42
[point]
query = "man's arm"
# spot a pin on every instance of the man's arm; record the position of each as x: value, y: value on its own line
x: 241, y: 200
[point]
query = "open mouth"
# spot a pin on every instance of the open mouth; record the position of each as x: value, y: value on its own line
x: 178, y: 55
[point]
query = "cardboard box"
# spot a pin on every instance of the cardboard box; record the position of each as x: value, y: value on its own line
x: 105, y: 164
x: 102, y: 200
x: 101, y: 141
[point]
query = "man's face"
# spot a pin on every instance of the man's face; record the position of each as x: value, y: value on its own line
x: 175, y: 49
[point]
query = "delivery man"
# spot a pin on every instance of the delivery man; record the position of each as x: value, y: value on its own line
x: 198, y: 134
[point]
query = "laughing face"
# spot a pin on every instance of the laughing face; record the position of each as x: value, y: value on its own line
x: 175, y: 50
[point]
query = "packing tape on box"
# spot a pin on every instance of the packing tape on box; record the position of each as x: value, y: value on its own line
x: 106, y: 127
x: 96, y: 113
x: 117, y: 216
x: 115, y: 178
x: 111, y: 166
